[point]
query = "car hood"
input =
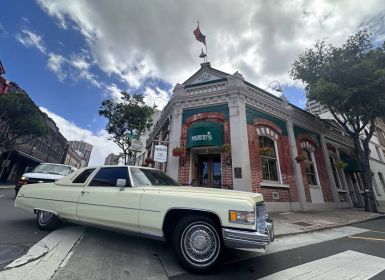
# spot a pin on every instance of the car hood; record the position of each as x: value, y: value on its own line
x: 253, y: 198
x: 39, y: 175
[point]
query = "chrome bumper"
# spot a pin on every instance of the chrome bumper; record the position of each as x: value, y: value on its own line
x: 234, y: 238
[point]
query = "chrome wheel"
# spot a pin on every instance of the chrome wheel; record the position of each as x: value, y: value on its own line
x: 44, y: 217
x: 200, y: 243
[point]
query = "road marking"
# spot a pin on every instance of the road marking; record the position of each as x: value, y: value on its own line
x: 2, y: 195
x: 343, y: 266
x: 367, y: 238
x: 44, y: 258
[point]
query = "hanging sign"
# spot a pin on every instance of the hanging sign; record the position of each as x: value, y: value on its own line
x: 160, y: 153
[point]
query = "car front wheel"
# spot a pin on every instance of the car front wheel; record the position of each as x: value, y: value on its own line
x: 197, y: 244
x: 47, y: 220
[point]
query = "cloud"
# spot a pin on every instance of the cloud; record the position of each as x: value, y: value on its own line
x: 157, y: 97
x: 31, y: 39
x: 55, y: 64
x: 3, y: 31
x: 137, y: 40
x: 101, y: 145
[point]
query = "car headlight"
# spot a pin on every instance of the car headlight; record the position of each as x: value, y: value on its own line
x: 23, y: 180
x: 242, y: 217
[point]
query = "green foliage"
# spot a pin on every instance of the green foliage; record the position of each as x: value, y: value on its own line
x: 21, y: 121
x: 350, y: 81
x: 127, y: 120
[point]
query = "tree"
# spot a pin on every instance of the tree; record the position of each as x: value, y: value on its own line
x: 127, y: 120
x: 21, y: 121
x: 350, y: 81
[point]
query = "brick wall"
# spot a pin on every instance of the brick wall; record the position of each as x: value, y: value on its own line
x: 321, y: 169
x: 184, y: 162
x: 287, y: 171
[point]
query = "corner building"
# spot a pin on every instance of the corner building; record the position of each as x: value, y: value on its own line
x: 231, y: 134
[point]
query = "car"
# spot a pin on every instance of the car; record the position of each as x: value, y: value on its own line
x: 43, y: 173
x: 197, y: 222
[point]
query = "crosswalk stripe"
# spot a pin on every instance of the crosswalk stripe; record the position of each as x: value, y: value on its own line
x: 367, y: 238
x: 343, y: 266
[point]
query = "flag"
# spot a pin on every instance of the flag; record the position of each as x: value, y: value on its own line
x: 199, y: 36
x: 2, y: 71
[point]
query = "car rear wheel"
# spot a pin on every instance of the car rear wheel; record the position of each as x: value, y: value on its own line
x: 47, y: 220
x: 197, y: 244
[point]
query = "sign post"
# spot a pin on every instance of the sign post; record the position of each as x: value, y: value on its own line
x: 160, y: 153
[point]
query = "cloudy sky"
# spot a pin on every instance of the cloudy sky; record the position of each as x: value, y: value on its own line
x: 70, y: 55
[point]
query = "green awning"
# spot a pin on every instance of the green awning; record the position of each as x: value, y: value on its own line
x: 353, y: 164
x: 205, y: 133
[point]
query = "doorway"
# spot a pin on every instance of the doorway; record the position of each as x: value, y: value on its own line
x: 209, y: 171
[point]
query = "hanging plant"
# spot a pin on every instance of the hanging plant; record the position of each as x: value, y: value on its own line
x: 178, y: 152
x: 149, y: 161
x: 225, y: 148
x: 300, y: 158
x: 265, y: 151
x: 341, y: 164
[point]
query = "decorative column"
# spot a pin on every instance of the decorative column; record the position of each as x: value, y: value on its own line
x: 174, y: 141
x: 238, y: 136
x: 297, y: 167
x: 329, y: 171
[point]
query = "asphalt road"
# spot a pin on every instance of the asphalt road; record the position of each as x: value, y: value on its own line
x: 17, y: 227
x: 370, y: 243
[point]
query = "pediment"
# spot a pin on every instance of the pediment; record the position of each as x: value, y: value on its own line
x: 205, y: 74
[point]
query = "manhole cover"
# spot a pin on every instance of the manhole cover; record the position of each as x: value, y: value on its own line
x: 302, y: 224
x: 9, y: 253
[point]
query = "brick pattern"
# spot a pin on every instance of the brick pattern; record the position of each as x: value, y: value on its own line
x: 287, y: 171
x: 184, y: 162
x: 321, y: 169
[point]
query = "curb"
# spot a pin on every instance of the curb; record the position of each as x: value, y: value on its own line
x: 330, y: 227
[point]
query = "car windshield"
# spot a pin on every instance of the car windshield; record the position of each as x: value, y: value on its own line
x: 151, y: 177
x: 52, y: 169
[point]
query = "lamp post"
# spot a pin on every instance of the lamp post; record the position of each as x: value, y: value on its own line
x: 158, y: 97
x: 277, y: 88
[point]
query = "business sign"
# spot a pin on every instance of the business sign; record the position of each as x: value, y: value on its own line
x: 136, y: 145
x: 205, y: 134
x: 160, y: 153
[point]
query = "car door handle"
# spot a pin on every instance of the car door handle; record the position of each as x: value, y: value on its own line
x: 83, y: 192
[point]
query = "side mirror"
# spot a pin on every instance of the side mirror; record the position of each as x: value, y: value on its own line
x: 121, y: 183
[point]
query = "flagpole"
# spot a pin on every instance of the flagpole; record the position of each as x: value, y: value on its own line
x: 206, y: 53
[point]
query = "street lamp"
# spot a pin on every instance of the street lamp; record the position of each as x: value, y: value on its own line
x: 159, y: 97
x: 277, y: 88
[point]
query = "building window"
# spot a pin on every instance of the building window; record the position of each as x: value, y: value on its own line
x: 336, y: 175
x: 382, y: 180
x: 268, y: 155
x: 309, y: 167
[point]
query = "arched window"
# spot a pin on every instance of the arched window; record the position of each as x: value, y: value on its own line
x: 268, y: 156
x: 309, y: 167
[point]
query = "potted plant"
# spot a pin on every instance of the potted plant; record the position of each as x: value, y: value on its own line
x: 341, y: 164
x: 265, y: 151
x: 225, y: 148
x: 178, y: 152
x: 300, y: 158
x: 149, y: 161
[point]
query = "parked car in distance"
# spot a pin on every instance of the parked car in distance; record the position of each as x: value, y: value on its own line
x: 198, y: 222
x: 44, y: 173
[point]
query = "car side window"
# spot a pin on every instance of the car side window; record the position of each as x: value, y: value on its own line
x: 82, y: 177
x: 107, y: 176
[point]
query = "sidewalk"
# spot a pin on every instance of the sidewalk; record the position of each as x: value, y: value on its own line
x: 7, y: 186
x: 289, y: 223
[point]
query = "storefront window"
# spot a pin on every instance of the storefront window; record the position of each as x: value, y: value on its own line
x: 268, y: 157
x: 309, y: 168
x: 335, y: 173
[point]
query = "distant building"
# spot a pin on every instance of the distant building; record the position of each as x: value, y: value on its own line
x: 315, y: 107
x: 50, y: 148
x: 112, y: 159
x: 83, y: 149
x: 71, y: 157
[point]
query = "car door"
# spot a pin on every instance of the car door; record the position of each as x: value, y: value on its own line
x: 102, y: 202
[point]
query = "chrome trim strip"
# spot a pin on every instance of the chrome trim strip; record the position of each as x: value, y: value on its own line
x: 120, y: 207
